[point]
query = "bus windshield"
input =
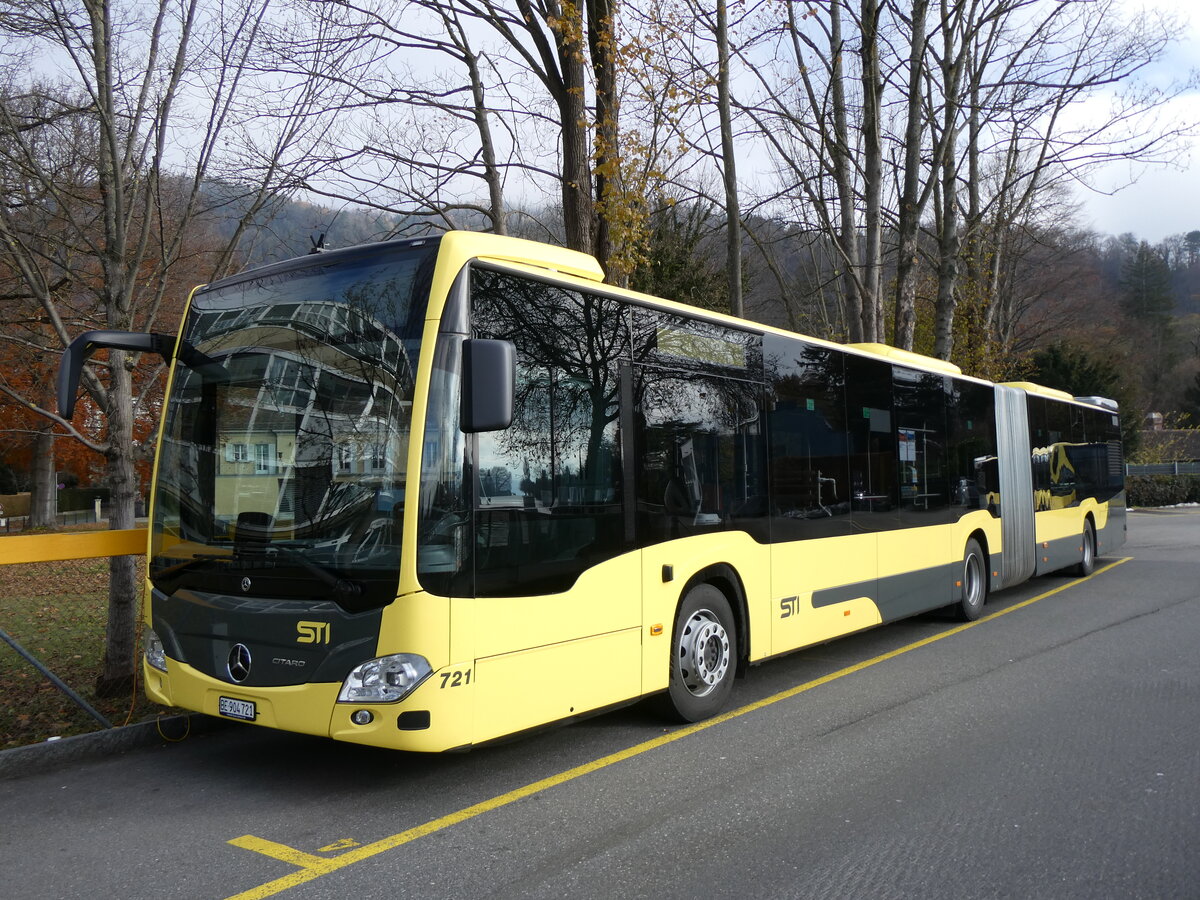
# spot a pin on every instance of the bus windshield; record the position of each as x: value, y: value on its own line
x: 282, y: 468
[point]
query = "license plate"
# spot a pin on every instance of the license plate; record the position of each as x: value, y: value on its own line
x: 237, y: 709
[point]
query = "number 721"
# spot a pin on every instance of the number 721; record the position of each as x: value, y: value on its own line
x: 456, y: 678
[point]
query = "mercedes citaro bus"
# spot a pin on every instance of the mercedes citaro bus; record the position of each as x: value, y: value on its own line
x: 427, y: 493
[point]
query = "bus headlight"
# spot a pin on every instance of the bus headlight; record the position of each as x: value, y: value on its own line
x: 385, y: 680
x: 153, y: 648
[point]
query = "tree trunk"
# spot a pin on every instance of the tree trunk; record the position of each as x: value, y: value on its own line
x: 579, y: 211
x: 853, y: 301
x: 491, y: 169
x: 949, y: 238
x: 906, y: 288
x: 44, y: 490
x: 872, y: 310
x: 949, y: 244
x: 612, y: 232
x: 974, y: 223
x: 124, y: 589
x: 911, y: 205
x: 733, y: 221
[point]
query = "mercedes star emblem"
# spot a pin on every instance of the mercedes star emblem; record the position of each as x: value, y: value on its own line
x: 238, y: 665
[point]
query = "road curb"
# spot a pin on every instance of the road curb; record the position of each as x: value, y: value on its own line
x: 48, y: 755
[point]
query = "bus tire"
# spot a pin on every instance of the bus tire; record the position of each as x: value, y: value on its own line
x: 703, y: 655
x: 974, y: 583
x: 1087, y: 565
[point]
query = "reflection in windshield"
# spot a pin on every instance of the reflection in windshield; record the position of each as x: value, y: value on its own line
x: 282, y: 468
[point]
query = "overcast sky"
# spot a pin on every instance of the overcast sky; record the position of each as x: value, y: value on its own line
x: 1162, y: 201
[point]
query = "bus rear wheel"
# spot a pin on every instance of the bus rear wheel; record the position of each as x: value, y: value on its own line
x: 703, y: 655
x: 1087, y: 565
x: 974, y: 583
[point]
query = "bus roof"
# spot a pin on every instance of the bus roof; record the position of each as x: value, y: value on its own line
x: 1030, y: 388
x: 909, y: 358
x: 498, y: 248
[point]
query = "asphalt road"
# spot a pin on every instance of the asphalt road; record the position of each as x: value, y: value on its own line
x: 1050, y: 750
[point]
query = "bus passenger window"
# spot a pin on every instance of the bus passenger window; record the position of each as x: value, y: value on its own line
x: 920, y: 407
x: 701, y: 465
x: 810, y: 476
x: 548, y: 492
x: 872, y: 444
x: 971, y: 457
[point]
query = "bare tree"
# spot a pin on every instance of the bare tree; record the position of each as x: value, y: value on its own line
x: 524, y: 74
x: 819, y: 111
x: 733, y: 222
x: 685, y: 94
x: 144, y: 100
x: 911, y: 194
x: 1031, y: 70
x: 881, y: 108
x: 413, y: 144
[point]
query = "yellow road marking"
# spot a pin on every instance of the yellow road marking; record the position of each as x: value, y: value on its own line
x: 343, y: 844
x: 313, y: 867
x: 281, y: 852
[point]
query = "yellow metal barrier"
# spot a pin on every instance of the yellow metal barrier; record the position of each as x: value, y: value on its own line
x: 32, y: 548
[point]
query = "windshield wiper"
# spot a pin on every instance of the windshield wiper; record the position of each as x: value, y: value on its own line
x: 341, y: 587
x: 174, y: 571
x: 272, y: 554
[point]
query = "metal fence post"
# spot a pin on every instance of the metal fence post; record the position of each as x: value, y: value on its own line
x: 54, y: 679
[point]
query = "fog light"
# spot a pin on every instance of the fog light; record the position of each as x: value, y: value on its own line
x: 362, y: 717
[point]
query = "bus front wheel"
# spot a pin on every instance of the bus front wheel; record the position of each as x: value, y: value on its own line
x: 703, y: 655
x: 974, y: 583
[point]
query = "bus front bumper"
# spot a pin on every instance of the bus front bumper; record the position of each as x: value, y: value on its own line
x: 421, y: 722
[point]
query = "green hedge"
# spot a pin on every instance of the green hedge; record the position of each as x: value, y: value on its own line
x: 1162, y: 490
x: 73, y: 499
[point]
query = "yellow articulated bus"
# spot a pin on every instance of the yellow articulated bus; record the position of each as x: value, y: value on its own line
x: 427, y: 493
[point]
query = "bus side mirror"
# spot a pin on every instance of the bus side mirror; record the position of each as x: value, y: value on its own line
x: 70, y: 368
x: 488, y: 385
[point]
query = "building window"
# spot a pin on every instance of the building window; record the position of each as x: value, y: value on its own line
x: 377, y: 457
x: 263, y: 458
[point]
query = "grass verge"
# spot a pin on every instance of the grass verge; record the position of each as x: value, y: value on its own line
x: 57, y: 612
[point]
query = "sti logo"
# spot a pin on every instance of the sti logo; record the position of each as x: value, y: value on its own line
x: 312, y: 632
